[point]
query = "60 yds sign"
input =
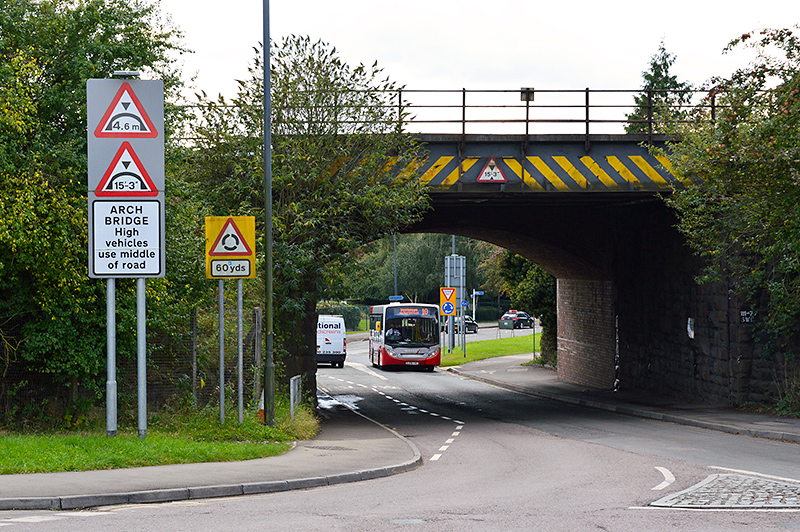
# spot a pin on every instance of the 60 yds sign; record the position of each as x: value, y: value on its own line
x: 230, y: 268
x: 230, y: 247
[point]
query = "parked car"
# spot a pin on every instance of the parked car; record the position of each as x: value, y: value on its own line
x: 517, y: 319
x: 471, y: 325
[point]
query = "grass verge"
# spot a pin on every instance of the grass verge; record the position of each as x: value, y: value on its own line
x: 186, y: 436
x: 490, y: 349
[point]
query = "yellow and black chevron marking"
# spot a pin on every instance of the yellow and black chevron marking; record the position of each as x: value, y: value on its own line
x: 555, y: 172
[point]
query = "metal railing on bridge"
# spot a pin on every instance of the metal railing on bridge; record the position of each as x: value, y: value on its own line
x: 530, y: 111
x: 526, y: 111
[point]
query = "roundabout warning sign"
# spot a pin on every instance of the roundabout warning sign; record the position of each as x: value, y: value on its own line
x: 230, y: 241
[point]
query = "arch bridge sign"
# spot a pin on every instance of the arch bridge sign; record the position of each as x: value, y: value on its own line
x: 125, y: 120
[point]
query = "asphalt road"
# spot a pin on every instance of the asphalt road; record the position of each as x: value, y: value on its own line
x: 494, y: 461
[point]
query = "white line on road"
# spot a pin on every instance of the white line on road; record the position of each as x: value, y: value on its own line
x: 365, y: 369
x: 669, y: 478
x: 754, y: 474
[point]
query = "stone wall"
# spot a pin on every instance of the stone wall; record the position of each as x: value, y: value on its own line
x: 586, y: 334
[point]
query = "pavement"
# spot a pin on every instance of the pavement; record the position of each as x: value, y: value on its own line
x: 351, y: 448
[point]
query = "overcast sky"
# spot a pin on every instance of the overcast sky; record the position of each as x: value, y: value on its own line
x: 497, y: 44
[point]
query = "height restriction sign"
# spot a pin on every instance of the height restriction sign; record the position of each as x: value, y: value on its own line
x: 230, y: 245
x: 125, y: 141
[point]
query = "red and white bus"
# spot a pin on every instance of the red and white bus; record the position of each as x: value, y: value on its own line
x: 404, y: 334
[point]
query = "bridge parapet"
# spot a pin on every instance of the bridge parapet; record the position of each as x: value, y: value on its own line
x: 543, y: 163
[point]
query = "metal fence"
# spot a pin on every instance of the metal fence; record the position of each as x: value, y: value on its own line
x: 181, y: 370
x: 525, y: 111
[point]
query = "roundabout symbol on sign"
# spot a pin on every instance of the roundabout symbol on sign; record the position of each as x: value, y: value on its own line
x: 448, y: 308
x: 225, y: 239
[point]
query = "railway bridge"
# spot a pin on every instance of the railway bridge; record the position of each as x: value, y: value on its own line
x: 589, y: 209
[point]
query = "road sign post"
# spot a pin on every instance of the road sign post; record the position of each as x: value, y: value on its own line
x: 125, y: 148
x: 475, y: 294
x: 230, y: 254
x: 455, y: 275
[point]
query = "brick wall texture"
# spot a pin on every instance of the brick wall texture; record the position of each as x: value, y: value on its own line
x: 650, y: 327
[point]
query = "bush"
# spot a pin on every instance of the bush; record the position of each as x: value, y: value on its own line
x: 352, y: 314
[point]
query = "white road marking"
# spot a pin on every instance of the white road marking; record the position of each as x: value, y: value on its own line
x: 365, y: 369
x: 738, y: 510
x: 435, y: 457
x: 743, y: 472
x: 443, y: 447
x: 669, y: 478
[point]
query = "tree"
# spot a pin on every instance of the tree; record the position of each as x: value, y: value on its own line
x: 420, y: 267
x: 663, y: 97
x: 532, y: 289
x: 740, y: 162
x: 337, y: 180
x: 51, y: 315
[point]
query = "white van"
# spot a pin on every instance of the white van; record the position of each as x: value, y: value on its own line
x: 331, y: 340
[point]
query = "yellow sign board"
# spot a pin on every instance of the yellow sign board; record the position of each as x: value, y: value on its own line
x: 230, y: 247
x: 447, y: 301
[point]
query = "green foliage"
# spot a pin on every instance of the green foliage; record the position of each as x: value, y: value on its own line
x: 492, y: 348
x: 740, y: 208
x: 532, y: 290
x: 420, y: 267
x: 353, y: 315
x: 52, y: 317
x: 336, y: 173
x: 55, y: 46
x: 663, y: 97
x: 177, y: 437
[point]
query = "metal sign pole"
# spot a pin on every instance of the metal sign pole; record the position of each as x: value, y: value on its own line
x: 240, y: 350
x: 141, y: 354
x: 111, y: 352
x: 221, y: 305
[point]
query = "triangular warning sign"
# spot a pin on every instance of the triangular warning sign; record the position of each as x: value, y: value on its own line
x: 448, y: 293
x: 126, y: 117
x: 491, y: 173
x: 230, y: 242
x: 126, y: 176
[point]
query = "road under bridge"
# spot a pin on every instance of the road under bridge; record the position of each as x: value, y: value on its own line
x: 590, y: 210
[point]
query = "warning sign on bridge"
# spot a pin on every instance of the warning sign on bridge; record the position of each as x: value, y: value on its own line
x: 491, y: 173
x: 126, y: 117
x: 126, y: 176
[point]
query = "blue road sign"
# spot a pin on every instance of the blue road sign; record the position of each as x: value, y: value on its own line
x: 464, y: 303
x: 448, y: 308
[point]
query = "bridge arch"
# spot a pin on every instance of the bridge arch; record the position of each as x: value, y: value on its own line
x: 626, y: 294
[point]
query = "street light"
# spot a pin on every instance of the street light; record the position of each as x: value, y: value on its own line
x: 269, y: 374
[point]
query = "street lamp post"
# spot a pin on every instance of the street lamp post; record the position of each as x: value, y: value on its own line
x: 269, y: 374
